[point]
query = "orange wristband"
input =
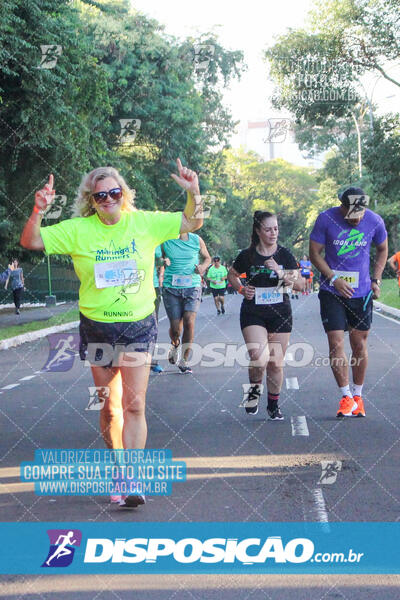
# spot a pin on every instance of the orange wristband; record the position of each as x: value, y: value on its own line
x: 38, y: 211
x: 240, y: 290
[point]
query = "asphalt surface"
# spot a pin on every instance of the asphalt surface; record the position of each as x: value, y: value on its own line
x: 28, y: 314
x: 240, y: 468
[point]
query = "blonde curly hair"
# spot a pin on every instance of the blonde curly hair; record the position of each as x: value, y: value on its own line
x: 83, y: 206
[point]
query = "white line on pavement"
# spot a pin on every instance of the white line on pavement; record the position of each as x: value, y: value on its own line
x: 10, y: 387
x: 27, y: 378
x: 322, y: 514
x: 299, y: 426
x: 385, y: 317
x: 292, y: 383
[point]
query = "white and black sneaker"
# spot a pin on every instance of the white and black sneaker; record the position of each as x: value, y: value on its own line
x: 173, y: 354
x: 183, y: 367
x: 251, y: 397
x: 274, y: 413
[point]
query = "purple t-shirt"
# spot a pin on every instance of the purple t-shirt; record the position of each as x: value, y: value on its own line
x: 347, y: 248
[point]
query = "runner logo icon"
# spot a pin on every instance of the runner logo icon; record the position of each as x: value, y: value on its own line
x: 62, y: 547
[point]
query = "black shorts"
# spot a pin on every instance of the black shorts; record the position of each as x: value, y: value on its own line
x: 338, y: 313
x: 101, y: 343
x: 218, y: 292
x: 306, y: 275
x: 273, y: 319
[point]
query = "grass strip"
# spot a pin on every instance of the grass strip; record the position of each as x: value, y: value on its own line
x: 390, y: 293
x: 66, y: 317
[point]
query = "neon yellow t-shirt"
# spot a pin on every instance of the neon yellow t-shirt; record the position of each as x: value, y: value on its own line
x: 217, y: 275
x: 114, y: 263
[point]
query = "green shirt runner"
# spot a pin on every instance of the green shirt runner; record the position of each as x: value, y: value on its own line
x: 215, y: 274
x: 184, y: 256
x: 114, y: 263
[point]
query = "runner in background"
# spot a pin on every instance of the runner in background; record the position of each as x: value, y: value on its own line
x: 266, y: 314
x: 340, y: 245
x: 305, y: 265
x: 112, y: 247
x: 182, y: 292
x: 311, y: 281
x: 158, y: 277
x: 394, y: 262
x: 217, y: 276
x: 16, y: 279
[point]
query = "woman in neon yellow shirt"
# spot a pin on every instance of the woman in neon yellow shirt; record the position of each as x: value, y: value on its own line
x: 112, y: 247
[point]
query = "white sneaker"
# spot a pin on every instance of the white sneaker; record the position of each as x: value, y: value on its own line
x: 251, y: 397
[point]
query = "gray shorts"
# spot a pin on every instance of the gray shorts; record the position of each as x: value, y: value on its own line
x: 180, y: 300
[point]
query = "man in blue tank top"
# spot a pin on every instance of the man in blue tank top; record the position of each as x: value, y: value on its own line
x: 182, y: 292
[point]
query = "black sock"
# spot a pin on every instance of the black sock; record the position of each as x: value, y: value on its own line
x: 273, y: 400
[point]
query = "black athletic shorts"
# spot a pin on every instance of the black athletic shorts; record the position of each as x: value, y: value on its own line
x: 276, y: 318
x: 338, y: 313
x: 101, y: 342
x: 218, y: 292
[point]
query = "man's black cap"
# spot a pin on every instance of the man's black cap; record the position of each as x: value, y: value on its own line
x: 351, y: 191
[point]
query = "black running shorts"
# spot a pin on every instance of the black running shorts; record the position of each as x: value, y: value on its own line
x: 273, y: 319
x: 218, y: 292
x: 340, y: 314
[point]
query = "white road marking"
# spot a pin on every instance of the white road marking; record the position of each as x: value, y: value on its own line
x: 299, y: 426
x: 292, y: 383
x: 27, y: 378
x: 388, y: 318
x: 10, y: 387
x: 320, y: 507
x: 289, y: 356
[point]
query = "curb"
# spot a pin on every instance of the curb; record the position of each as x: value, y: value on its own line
x: 389, y: 311
x: 31, y: 336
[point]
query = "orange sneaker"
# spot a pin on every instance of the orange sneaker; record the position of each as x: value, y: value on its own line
x: 346, y: 407
x: 360, y: 410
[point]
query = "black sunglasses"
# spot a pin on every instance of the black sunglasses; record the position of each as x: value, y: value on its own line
x: 115, y: 194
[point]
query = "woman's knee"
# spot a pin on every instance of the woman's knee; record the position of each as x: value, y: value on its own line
x: 134, y: 403
x: 258, y: 357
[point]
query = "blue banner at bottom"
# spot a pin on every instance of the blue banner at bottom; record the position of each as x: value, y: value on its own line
x: 49, y: 548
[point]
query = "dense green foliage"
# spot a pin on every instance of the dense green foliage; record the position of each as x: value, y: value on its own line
x: 112, y: 63
x: 318, y: 72
x: 63, y: 114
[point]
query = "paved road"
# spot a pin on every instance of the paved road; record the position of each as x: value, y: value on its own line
x: 27, y: 314
x: 240, y: 468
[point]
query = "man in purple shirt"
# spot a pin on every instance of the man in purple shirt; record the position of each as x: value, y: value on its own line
x: 340, y: 245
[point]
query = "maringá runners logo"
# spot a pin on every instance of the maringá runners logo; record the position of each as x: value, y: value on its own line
x: 354, y: 241
x: 62, y: 547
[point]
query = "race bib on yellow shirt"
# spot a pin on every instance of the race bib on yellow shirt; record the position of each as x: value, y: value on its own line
x: 268, y: 296
x: 115, y: 273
